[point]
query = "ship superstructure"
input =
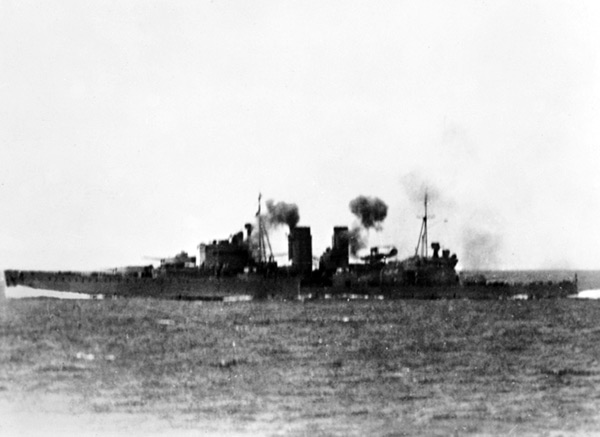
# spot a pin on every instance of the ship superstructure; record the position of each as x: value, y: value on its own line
x: 381, y: 272
x: 439, y: 269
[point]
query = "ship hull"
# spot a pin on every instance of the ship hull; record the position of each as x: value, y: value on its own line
x: 181, y: 287
x: 191, y: 287
x: 459, y: 291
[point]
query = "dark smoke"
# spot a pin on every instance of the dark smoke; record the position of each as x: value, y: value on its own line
x: 371, y: 211
x: 480, y: 248
x: 282, y: 213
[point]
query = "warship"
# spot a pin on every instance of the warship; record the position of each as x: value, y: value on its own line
x: 243, y: 267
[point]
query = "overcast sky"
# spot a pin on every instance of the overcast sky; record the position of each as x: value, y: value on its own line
x: 132, y: 129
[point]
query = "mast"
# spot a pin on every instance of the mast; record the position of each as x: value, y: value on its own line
x: 261, y: 247
x: 422, y: 242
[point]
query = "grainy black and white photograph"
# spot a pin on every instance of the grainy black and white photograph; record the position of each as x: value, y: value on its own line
x: 293, y: 218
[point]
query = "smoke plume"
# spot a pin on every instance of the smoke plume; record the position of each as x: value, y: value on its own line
x: 356, y: 239
x: 416, y: 186
x: 480, y: 248
x: 282, y: 213
x: 371, y: 211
